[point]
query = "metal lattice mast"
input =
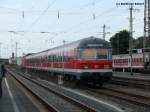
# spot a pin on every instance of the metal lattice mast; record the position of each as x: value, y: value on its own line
x: 146, y: 37
x: 131, y: 36
x: 146, y: 22
x: 104, y: 31
x: 131, y: 29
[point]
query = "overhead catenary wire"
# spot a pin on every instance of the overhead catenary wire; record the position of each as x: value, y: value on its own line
x: 85, y: 22
x: 68, y: 30
x: 42, y: 15
x: 34, y: 22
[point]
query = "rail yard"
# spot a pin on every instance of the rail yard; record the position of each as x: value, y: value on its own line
x: 54, y: 58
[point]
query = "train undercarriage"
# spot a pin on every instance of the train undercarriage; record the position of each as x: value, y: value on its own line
x: 92, y: 79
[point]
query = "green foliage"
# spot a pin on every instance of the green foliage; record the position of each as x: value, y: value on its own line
x: 138, y: 43
x: 120, y: 42
x: 148, y: 42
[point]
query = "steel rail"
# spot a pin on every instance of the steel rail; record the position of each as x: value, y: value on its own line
x: 74, y: 101
x: 130, y: 97
x: 44, y: 102
x: 133, y: 83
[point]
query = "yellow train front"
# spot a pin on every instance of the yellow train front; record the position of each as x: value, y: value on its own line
x: 87, y: 60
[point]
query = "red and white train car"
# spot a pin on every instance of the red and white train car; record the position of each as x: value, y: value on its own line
x: 123, y: 61
x: 88, y: 60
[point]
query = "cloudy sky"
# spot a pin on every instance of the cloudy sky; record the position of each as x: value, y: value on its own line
x: 37, y: 25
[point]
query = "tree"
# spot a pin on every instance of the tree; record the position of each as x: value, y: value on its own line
x: 120, y: 42
x: 138, y: 43
x: 148, y: 42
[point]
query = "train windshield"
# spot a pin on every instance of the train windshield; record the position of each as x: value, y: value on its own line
x: 94, y: 54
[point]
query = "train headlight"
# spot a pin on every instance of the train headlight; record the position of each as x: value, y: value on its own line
x: 85, y: 67
x: 96, y: 66
x: 106, y: 66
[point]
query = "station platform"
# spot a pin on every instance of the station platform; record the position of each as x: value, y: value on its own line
x: 14, y: 99
x: 138, y: 76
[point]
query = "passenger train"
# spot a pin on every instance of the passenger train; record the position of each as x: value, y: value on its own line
x: 140, y: 62
x: 86, y: 60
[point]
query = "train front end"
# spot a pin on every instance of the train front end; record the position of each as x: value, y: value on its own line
x: 94, y: 61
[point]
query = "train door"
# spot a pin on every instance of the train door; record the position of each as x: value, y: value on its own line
x: 75, y: 58
x: 147, y: 60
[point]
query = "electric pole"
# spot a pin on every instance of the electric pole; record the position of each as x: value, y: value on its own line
x: 131, y: 29
x: 146, y: 38
x: 131, y: 4
x: 104, y: 31
x: 146, y: 22
x: 131, y: 36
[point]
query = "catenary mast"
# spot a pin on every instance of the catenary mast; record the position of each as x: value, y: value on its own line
x: 146, y: 23
x: 146, y: 38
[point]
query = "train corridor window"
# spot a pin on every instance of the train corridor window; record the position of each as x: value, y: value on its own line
x: 54, y: 58
x: 93, y: 54
x: 87, y: 54
x: 49, y: 58
x: 141, y: 59
x: 102, y: 54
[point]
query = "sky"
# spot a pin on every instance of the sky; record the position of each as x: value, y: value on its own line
x: 37, y: 25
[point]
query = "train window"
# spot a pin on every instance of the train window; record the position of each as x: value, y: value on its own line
x: 141, y: 59
x: 137, y: 60
x: 88, y: 54
x: 64, y: 58
x: 93, y: 54
x: 59, y: 58
x: 49, y: 58
x: 54, y: 58
x: 132, y: 60
x: 102, y: 54
x: 126, y: 60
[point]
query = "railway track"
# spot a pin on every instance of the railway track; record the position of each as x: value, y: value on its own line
x: 86, y: 104
x: 137, y: 83
x: 123, y: 95
x: 54, y: 101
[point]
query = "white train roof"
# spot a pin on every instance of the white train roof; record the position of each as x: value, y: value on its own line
x: 83, y: 43
x: 125, y: 56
